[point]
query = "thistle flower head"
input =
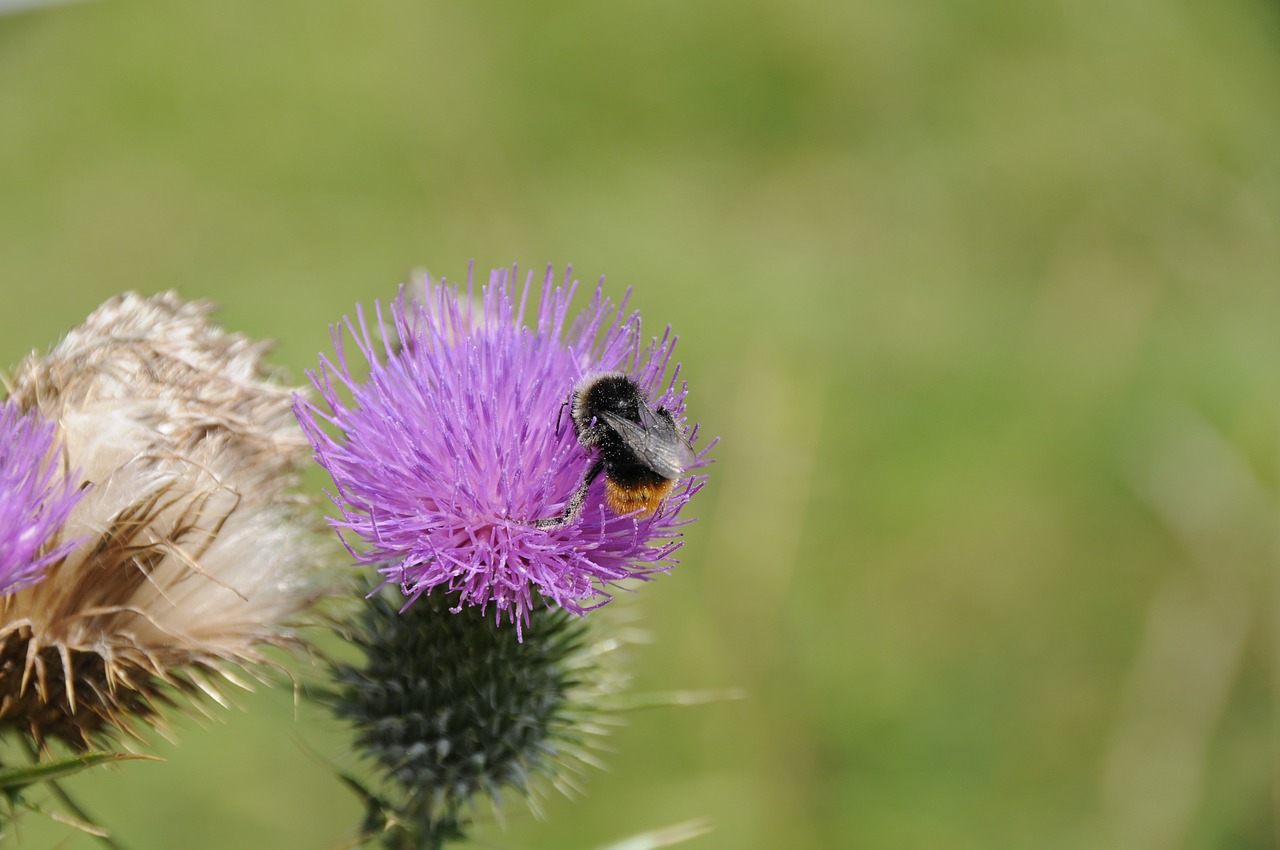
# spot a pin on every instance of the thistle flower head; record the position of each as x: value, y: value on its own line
x: 453, y: 711
x: 35, y: 498
x: 193, y: 552
x: 456, y: 442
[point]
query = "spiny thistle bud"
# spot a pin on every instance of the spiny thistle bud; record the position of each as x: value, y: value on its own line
x: 454, y: 711
x: 192, y: 552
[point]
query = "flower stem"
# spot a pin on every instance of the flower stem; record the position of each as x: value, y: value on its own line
x: 66, y: 800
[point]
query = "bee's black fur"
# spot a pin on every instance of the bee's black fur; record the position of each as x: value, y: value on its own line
x: 637, y: 446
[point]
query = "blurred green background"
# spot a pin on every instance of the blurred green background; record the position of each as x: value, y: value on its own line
x: 981, y: 297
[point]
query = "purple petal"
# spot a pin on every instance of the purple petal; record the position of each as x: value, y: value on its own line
x: 35, y: 499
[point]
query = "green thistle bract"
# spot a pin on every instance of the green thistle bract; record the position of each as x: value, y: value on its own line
x: 454, y: 710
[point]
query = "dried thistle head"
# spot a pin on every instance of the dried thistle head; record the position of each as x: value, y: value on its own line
x: 195, y: 553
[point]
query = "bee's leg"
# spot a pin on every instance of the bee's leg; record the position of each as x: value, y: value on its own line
x: 571, y: 510
x: 568, y: 401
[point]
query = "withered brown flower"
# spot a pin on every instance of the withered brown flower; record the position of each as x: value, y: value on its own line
x: 196, y: 554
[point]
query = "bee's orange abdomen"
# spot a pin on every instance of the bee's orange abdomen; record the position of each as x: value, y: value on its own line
x: 643, y: 497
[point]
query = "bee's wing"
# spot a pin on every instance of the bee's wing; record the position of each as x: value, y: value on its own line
x: 656, y: 441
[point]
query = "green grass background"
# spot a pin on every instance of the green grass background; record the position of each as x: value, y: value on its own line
x: 981, y: 297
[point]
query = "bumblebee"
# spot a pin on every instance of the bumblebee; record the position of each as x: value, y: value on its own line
x: 638, y: 448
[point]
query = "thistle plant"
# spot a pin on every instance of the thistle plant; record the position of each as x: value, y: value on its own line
x: 152, y: 545
x: 446, y: 441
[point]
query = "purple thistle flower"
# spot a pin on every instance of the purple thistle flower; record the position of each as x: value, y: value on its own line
x: 35, y: 499
x: 457, y: 441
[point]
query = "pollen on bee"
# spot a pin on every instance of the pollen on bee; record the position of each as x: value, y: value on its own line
x: 645, y: 498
